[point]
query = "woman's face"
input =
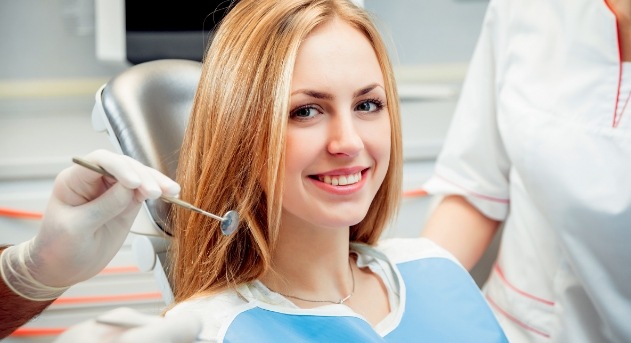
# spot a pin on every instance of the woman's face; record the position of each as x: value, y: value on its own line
x: 338, y: 133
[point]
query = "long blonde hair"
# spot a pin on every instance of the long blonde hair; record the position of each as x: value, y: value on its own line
x: 233, y: 149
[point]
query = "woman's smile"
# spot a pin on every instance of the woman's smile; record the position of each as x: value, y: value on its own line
x: 339, y: 183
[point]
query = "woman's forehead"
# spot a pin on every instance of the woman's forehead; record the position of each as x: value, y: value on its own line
x: 336, y: 52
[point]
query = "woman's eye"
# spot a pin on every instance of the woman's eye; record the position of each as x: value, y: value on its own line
x: 369, y: 106
x: 304, y: 112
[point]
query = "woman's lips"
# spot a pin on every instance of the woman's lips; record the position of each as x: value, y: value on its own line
x: 341, y: 183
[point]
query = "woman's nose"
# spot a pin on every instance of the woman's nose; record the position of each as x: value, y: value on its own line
x: 345, y: 136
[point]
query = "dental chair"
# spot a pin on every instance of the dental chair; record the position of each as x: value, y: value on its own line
x: 145, y: 110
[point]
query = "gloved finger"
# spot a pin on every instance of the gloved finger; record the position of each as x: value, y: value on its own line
x: 152, y: 184
x: 77, y: 185
x: 109, y: 205
x: 168, y: 186
x: 149, y: 187
x: 115, y: 202
x: 120, y: 166
x: 90, y: 332
x: 128, y: 318
x: 64, y: 214
x: 169, y: 330
x: 149, y: 328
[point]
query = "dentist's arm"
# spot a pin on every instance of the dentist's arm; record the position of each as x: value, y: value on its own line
x: 459, y: 227
x: 15, y: 310
x: 85, y: 223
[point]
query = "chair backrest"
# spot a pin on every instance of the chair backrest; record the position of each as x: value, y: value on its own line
x: 145, y: 110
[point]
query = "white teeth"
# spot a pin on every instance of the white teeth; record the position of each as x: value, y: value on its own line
x: 341, y: 180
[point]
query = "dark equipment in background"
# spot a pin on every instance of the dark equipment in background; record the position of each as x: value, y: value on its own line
x: 170, y: 29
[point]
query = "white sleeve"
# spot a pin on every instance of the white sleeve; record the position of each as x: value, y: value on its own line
x: 473, y: 162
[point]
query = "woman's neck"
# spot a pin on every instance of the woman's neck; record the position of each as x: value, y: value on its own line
x: 311, y: 263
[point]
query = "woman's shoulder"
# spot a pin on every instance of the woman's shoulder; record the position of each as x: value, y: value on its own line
x: 213, y: 310
x: 408, y: 249
x: 225, y: 299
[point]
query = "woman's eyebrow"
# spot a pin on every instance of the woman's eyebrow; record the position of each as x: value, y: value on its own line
x: 366, y: 90
x: 327, y: 96
x: 314, y: 94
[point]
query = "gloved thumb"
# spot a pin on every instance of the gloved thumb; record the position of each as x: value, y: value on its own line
x: 117, y: 207
x: 183, y: 328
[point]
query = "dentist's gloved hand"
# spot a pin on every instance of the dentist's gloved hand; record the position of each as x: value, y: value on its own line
x: 86, y: 222
x: 124, y: 325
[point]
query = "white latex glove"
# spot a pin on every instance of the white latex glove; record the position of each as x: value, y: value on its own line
x: 86, y: 222
x: 129, y: 326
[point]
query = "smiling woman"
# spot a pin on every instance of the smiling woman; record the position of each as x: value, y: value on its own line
x: 296, y: 125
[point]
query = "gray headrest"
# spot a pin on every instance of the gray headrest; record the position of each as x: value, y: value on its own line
x: 147, y: 107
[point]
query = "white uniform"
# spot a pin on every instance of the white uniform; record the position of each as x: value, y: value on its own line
x: 541, y: 139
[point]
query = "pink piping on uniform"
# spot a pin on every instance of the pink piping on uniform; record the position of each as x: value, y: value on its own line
x: 478, y: 195
x: 500, y: 272
x: 517, y: 321
x: 616, y: 118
